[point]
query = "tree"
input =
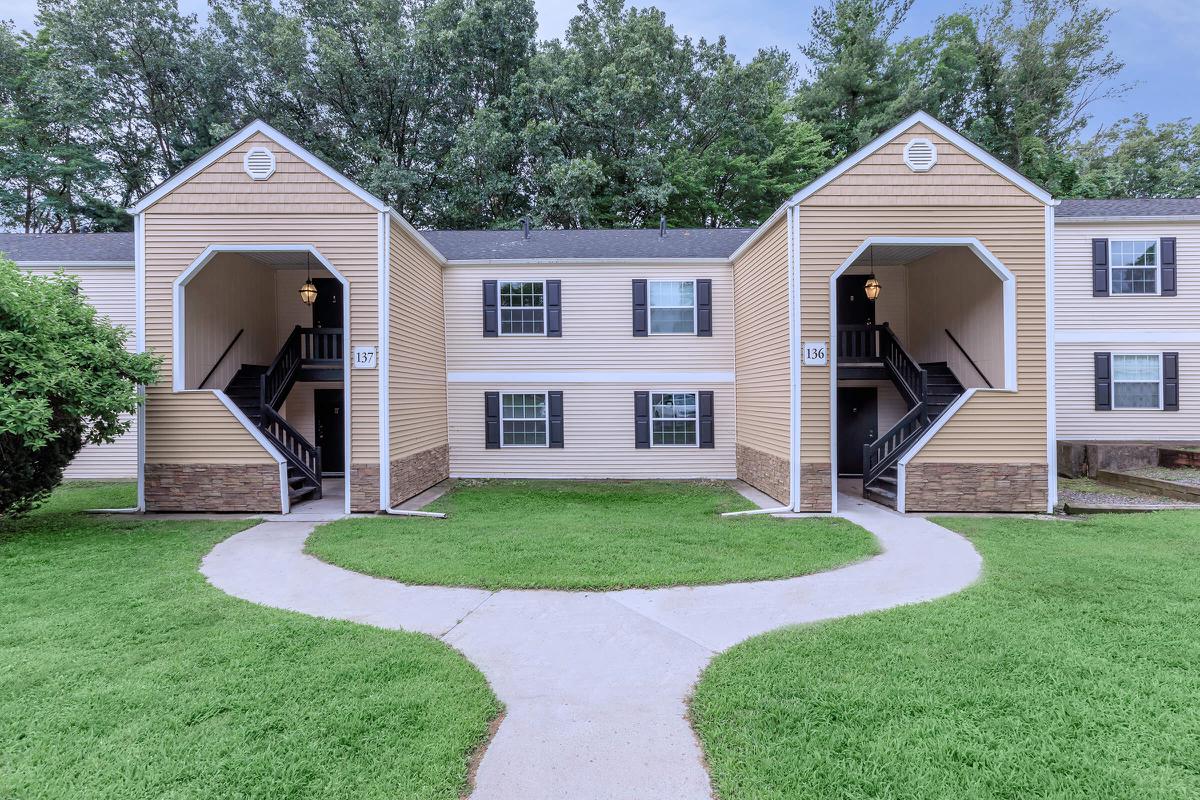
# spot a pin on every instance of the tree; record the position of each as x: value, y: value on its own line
x: 66, y: 380
x: 1134, y: 159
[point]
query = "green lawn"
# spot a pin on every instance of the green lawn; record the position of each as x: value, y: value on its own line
x: 1072, y: 670
x: 589, y: 535
x: 124, y: 675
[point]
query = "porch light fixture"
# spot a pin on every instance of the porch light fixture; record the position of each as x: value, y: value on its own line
x: 308, y: 292
x: 872, y: 287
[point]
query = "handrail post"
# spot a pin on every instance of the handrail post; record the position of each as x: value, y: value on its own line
x: 262, y: 398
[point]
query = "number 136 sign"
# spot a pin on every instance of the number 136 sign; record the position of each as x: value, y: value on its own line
x: 815, y: 354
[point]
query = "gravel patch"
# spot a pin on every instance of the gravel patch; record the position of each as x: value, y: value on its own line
x: 1177, y: 474
x: 1086, y: 492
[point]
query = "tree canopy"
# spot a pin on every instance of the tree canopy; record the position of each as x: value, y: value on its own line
x: 454, y: 113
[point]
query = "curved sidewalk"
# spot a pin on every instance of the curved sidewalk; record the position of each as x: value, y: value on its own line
x: 596, y: 683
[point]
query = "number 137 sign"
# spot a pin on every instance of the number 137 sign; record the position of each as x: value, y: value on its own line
x: 815, y: 354
x: 364, y: 358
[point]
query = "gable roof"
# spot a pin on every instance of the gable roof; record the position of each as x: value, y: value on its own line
x: 941, y: 129
x: 63, y: 249
x: 1128, y: 209
x: 511, y: 245
x: 222, y: 149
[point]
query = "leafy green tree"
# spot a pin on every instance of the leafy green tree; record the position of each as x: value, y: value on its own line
x: 66, y: 380
x: 1135, y: 159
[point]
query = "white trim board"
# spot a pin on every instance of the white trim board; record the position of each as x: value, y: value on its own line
x: 554, y: 262
x: 284, y: 501
x: 139, y: 337
x: 383, y: 363
x: 1161, y: 219
x: 78, y: 264
x: 1051, y: 390
x: 597, y: 376
x: 1116, y: 336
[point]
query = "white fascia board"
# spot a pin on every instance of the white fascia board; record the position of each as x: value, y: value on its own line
x: 1163, y: 220
x: 76, y: 264
x: 947, y: 133
x: 591, y: 377
x: 656, y: 261
x: 227, y: 146
x: 1164, y: 336
x: 758, y: 233
x: 408, y: 228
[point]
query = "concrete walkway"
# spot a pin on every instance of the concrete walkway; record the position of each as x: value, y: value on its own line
x: 596, y: 684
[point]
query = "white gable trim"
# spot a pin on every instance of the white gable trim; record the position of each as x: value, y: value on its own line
x: 227, y: 146
x: 407, y: 227
x: 959, y: 141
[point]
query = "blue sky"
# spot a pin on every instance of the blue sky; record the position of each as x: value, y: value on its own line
x: 1155, y: 38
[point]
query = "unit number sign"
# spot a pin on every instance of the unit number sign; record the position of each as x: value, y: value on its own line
x: 815, y: 354
x: 365, y: 357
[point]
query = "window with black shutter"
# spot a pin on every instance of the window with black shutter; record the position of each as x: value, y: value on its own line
x: 1170, y: 369
x: 491, y: 315
x: 1099, y: 267
x: 1103, y: 380
x: 641, y: 420
x: 1169, y: 269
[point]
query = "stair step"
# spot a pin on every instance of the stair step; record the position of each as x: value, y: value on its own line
x: 299, y: 494
x: 880, y: 495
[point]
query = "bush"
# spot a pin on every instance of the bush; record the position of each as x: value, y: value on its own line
x: 66, y: 380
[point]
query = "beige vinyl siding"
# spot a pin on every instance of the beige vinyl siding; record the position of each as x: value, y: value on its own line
x: 598, y: 436
x: 417, y: 345
x: 221, y: 205
x: 597, y: 325
x: 111, y: 291
x: 1076, y: 309
x: 1074, y: 391
x: 881, y: 197
x: 762, y: 345
x: 231, y: 294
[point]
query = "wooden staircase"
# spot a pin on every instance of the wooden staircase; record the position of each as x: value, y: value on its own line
x: 260, y: 391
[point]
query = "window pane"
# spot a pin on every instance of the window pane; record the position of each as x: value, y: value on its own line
x: 523, y: 406
x: 522, y: 433
x: 1139, y: 253
x: 674, y: 405
x: 521, y: 295
x: 675, y: 432
x: 672, y: 320
x: 1135, y: 395
x: 672, y: 293
x: 1135, y: 368
x: 1134, y: 280
x: 522, y: 320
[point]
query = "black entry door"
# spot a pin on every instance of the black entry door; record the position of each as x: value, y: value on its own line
x: 858, y: 424
x: 852, y: 304
x: 331, y: 430
x: 327, y: 311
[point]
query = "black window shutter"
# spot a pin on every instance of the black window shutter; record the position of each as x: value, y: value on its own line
x: 556, y: 419
x: 706, y: 420
x: 1170, y: 381
x: 641, y: 419
x: 1167, y: 271
x: 704, y: 308
x: 1103, y: 381
x: 1099, y: 267
x: 491, y: 415
x: 640, y: 311
x: 554, y: 308
x: 491, y: 314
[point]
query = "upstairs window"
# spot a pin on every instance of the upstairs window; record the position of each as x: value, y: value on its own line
x: 672, y: 307
x: 523, y: 420
x: 674, y: 420
x: 1137, y: 380
x: 522, y: 308
x: 1134, y: 267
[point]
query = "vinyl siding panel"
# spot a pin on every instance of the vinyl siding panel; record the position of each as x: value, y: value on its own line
x: 417, y: 341
x: 111, y: 292
x: 231, y: 294
x: 762, y: 345
x: 597, y: 328
x: 221, y: 205
x: 1077, y: 417
x: 993, y: 427
x: 598, y: 436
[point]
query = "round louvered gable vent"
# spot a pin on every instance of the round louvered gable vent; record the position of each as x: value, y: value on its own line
x: 259, y: 163
x: 920, y: 155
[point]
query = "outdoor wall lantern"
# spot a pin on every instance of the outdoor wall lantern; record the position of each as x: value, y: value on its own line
x: 308, y: 292
x: 872, y: 288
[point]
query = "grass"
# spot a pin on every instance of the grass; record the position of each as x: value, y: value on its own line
x: 125, y: 675
x: 1069, y: 671
x: 1091, y: 486
x: 589, y: 535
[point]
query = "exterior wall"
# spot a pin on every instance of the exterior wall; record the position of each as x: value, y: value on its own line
x: 880, y: 196
x: 1004, y: 487
x: 213, y: 487
x: 892, y: 407
x: 231, y: 293
x: 418, y: 431
x: 892, y: 305
x: 110, y: 290
x: 762, y: 355
x: 1130, y: 324
x: 955, y: 291
x: 222, y: 205
x: 598, y: 436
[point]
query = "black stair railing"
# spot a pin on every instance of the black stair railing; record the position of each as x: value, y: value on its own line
x: 276, y: 382
x: 320, y: 345
x: 858, y: 343
x: 908, y: 375
x: 299, y: 453
x: 885, y: 451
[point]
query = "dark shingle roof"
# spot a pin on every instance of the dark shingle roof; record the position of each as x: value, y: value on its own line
x: 64, y: 247
x: 1128, y: 208
x: 640, y: 243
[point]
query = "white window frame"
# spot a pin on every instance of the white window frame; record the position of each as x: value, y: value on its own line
x: 650, y: 308
x: 545, y: 395
x: 1112, y: 268
x: 696, y: 419
x: 500, y: 307
x: 1113, y: 379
